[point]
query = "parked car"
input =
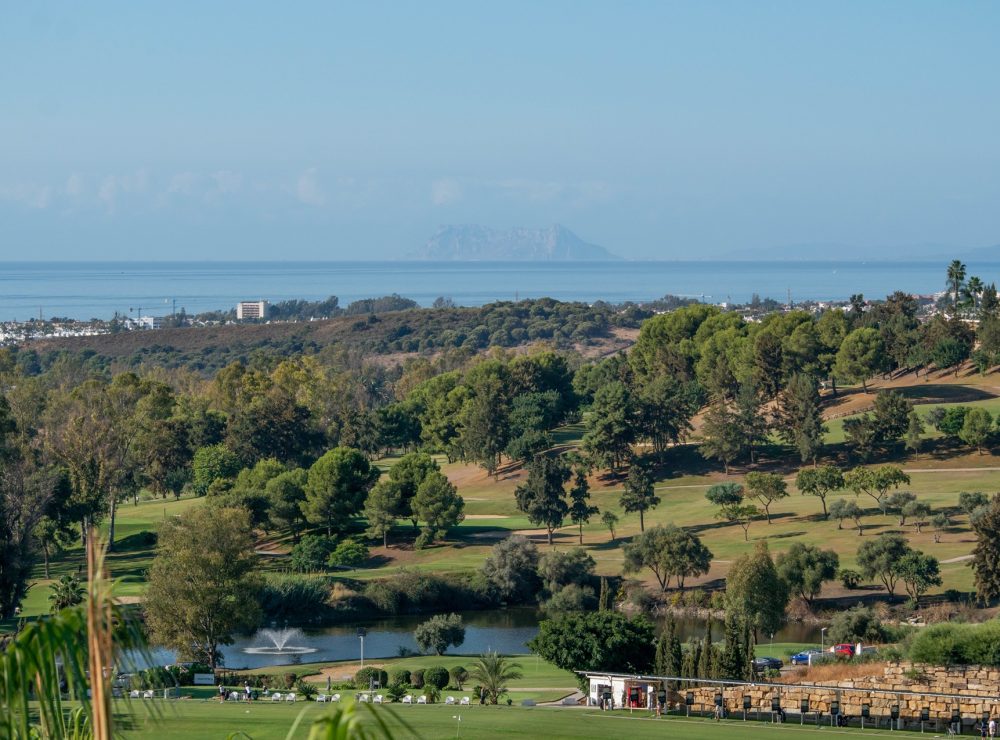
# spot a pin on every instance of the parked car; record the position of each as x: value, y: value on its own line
x: 844, y: 649
x: 803, y: 657
x: 764, y: 663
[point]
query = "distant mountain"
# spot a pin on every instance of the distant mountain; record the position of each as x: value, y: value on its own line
x: 470, y: 242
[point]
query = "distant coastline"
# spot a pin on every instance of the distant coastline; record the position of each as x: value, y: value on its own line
x: 85, y: 290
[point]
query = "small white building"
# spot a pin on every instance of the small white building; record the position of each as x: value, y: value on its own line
x: 251, y: 310
x: 150, y: 322
x: 620, y: 691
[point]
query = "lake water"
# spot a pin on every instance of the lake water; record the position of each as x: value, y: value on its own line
x: 85, y: 290
x: 507, y: 631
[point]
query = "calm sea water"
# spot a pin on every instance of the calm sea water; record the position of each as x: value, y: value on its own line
x: 86, y: 290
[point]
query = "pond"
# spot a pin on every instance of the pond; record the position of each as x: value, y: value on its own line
x: 504, y: 630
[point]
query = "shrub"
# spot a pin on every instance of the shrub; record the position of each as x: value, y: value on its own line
x: 570, y: 598
x: 384, y: 596
x: 417, y: 678
x: 850, y: 579
x: 284, y: 599
x: 305, y: 688
x: 436, y: 676
x: 957, y: 644
x: 348, y: 554
x: 288, y: 680
x: 399, y: 676
x: 396, y: 691
x: 458, y: 676
x: 310, y: 553
x: 363, y: 679
x: 859, y: 624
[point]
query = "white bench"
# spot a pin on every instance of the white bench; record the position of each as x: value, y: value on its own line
x: 465, y: 701
x: 275, y: 696
x: 290, y: 697
x: 450, y: 700
x: 378, y: 699
x: 421, y: 700
x: 408, y: 699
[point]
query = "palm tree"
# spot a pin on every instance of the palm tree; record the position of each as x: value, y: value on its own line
x: 956, y: 275
x: 493, y: 671
x: 973, y: 289
x: 67, y: 648
x: 66, y: 592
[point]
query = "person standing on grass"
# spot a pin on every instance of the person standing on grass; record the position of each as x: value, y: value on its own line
x: 222, y: 693
x: 246, y: 689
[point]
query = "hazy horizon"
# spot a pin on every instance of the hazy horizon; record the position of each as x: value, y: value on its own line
x: 658, y: 131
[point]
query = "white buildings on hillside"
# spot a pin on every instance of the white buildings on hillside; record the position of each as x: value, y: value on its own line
x: 251, y: 310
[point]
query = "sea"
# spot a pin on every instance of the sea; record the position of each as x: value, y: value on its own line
x: 85, y: 290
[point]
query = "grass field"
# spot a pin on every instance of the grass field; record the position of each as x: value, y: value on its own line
x: 208, y: 720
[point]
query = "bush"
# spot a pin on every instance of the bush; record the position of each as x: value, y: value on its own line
x: 310, y: 553
x: 417, y: 678
x: 363, y: 679
x: 850, y: 579
x: 288, y: 680
x: 306, y: 689
x: 348, y: 554
x: 570, y: 598
x: 286, y: 599
x: 399, y: 676
x: 396, y: 691
x: 384, y: 596
x: 859, y: 624
x: 957, y: 644
x: 436, y: 676
x: 458, y: 676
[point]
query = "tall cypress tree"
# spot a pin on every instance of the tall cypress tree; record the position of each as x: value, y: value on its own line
x: 749, y: 644
x: 707, y: 654
x: 732, y: 662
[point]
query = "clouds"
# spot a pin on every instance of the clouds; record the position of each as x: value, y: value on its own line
x: 562, y: 193
x: 308, y: 190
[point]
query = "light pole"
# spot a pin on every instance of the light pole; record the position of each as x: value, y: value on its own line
x: 822, y: 640
x: 361, y: 633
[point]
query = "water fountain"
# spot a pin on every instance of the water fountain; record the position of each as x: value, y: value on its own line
x: 279, y: 643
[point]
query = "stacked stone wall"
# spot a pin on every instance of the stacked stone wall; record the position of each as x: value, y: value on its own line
x: 977, y: 690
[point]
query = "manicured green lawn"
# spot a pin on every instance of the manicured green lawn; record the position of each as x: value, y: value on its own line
x: 208, y: 720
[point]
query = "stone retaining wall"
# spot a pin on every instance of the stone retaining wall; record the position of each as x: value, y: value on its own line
x: 979, y: 688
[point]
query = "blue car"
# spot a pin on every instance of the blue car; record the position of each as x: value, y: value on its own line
x: 803, y: 657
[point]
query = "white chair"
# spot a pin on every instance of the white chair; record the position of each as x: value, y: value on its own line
x: 379, y: 698
x: 290, y: 697
x: 465, y: 701
x: 148, y: 694
x: 133, y: 694
x: 450, y: 700
x: 408, y: 699
x: 275, y: 696
x: 421, y: 700
x: 335, y: 697
x: 363, y: 698
x: 322, y: 698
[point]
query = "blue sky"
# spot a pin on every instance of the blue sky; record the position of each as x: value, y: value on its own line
x: 352, y: 130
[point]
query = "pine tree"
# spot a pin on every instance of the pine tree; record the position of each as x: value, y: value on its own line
x: 799, y: 417
x: 580, y: 509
